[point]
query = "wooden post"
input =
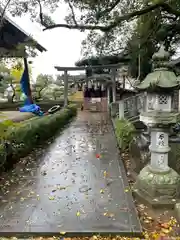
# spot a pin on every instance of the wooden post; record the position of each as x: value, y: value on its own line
x: 124, y: 82
x: 108, y: 97
x: 65, y: 88
x: 121, y: 109
x: 114, y: 84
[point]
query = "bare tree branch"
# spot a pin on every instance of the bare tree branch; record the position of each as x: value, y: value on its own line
x: 72, y: 11
x: 41, y: 14
x: 107, y: 10
x: 171, y: 10
x: 3, y: 13
x: 120, y: 19
x: 79, y: 26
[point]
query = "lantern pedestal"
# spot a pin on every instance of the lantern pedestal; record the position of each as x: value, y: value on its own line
x: 157, y: 188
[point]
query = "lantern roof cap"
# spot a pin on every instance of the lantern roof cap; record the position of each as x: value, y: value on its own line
x: 162, y: 76
x: 162, y: 55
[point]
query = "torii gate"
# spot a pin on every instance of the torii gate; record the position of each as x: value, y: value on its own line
x: 112, y: 67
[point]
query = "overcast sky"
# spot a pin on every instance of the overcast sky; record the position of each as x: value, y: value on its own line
x: 63, y: 45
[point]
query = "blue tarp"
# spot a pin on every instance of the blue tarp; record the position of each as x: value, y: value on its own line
x: 31, y: 108
x: 28, y: 107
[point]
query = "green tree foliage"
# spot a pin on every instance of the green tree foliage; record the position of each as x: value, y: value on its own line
x: 143, y: 44
x: 52, y: 92
x: 103, y: 15
x: 42, y: 81
x: 4, y: 77
x: 111, y: 23
x: 16, y: 72
x: 8, y: 78
x: 150, y: 30
x: 10, y: 75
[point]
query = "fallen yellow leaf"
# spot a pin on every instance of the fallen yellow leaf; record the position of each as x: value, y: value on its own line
x: 105, y: 174
x: 147, y: 221
x: 51, y: 198
x: 164, y: 230
x: 61, y: 188
x: 101, y: 191
x: 78, y: 214
x: 94, y: 237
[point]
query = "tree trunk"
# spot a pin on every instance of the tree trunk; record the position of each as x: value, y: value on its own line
x: 14, y: 93
x: 12, y: 98
x: 39, y: 94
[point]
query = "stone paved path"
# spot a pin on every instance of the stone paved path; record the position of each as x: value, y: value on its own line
x: 69, y: 189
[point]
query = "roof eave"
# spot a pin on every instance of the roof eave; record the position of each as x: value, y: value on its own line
x: 38, y: 46
x: 27, y: 36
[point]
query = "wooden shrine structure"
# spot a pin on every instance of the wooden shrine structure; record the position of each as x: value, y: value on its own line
x: 107, y: 81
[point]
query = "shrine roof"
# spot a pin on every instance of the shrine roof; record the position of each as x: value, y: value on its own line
x: 123, y: 57
x: 13, y: 35
x: 80, y: 68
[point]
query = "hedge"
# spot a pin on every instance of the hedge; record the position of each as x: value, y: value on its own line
x: 21, y: 138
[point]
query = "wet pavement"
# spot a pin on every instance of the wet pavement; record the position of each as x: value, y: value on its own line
x: 77, y: 184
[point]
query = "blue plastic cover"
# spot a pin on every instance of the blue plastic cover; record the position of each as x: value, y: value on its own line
x: 28, y: 106
x: 32, y: 108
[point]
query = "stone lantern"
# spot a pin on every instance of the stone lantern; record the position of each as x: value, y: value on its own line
x: 157, y: 183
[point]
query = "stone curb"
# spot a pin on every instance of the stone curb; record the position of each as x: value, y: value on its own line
x: 123, y: 169
x: 177, y: 211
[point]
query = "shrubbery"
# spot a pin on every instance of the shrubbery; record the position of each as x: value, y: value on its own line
x: 20, y: 138
x: 124, y: 132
